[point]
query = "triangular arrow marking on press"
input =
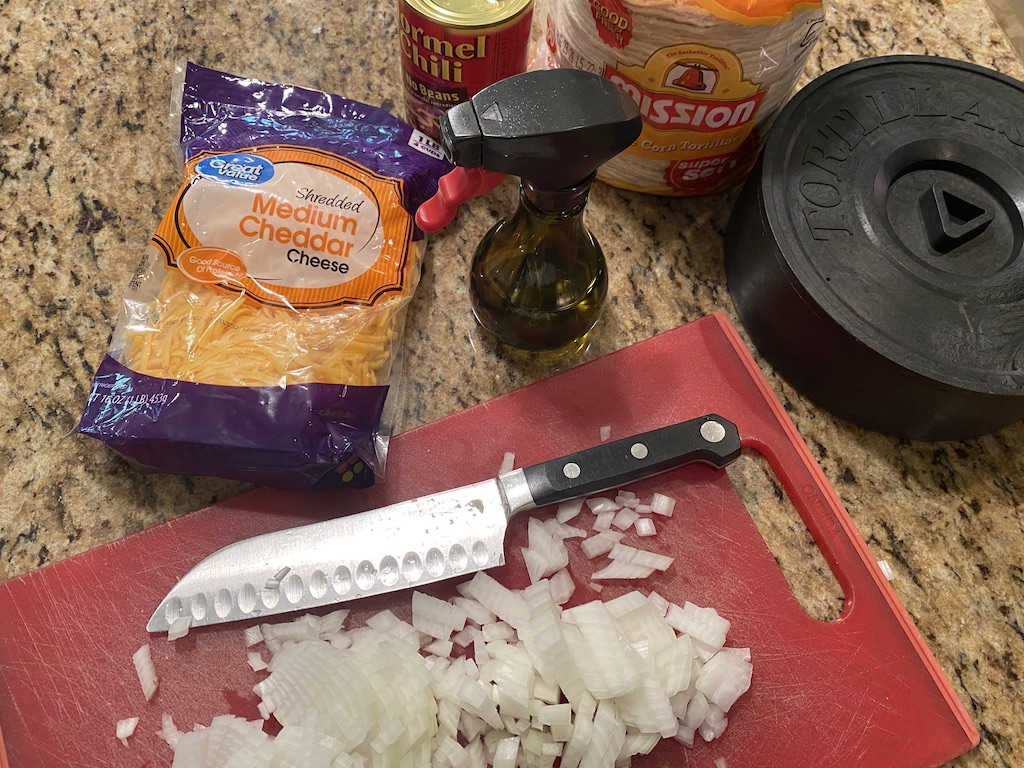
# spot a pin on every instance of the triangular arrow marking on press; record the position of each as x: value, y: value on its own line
x: 493, y: 112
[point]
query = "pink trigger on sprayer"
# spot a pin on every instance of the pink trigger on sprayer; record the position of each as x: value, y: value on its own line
x: 538, y: 278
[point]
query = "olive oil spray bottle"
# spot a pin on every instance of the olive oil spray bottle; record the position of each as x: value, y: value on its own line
x: 538, y: 279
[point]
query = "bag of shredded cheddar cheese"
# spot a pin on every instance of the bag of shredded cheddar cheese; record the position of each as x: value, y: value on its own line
x: 260, y: 335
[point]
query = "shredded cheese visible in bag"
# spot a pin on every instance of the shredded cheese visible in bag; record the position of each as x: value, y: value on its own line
x: 208, y: 337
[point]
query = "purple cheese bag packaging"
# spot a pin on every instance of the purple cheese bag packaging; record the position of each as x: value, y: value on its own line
x: 260, y: 337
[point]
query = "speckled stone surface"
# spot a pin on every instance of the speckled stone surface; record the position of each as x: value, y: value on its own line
x: 86, y: 170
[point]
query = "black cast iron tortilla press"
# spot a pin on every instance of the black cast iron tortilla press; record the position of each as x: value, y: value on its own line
x: 875, y: 253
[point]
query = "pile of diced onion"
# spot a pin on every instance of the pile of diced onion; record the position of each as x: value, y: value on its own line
x: 493, y: 677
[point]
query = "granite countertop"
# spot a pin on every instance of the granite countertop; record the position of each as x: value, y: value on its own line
x: 86, y: 169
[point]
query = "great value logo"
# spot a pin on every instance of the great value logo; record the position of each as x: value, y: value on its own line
x: 237, y: 170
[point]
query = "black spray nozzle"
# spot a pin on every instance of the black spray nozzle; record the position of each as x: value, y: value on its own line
x: 552, y: 128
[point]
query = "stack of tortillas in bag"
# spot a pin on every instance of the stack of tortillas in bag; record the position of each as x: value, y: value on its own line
x: 708, y: 76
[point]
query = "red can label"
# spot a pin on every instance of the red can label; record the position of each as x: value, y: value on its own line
x: 443, y: 66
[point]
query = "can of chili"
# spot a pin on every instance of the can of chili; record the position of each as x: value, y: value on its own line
x: 453, y: 49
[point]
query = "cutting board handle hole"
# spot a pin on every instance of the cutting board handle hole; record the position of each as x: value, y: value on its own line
x: 783, y: 530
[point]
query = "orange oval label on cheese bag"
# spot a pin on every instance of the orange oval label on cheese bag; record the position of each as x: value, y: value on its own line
x: 212, y: 265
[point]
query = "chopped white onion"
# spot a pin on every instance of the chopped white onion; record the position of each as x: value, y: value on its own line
x: 714, y: 724
x: 886, y: 570
x: 227, y: 738
x: 627, y: 499
x: 601, y: 543
x: 545, y: 692
x: 724, y: 678
x: 475, y: 611
x: 125, y: 728
x: 467, y: 636
x: 622, y: 569
x: 274, y: 582
x: 561, y: 731
x: 624, y: 604
x: 640, y: 743
x: 383, y: 621
x: 477, y: 753
x: 720, y: 762
x: 662, y: 505
x: 507, y: 752
x: 332, y: 623
x: 547, y: 644
x: 256, y: 661
x: 562, y: 586
x: 253, y: 636
x: 498, y: 630
x: 143, y: 660
x: 436, y: 618
x: 555, y: 714
x: 563, y: 531
x: 471, y: 727
x: 275, y: 636
x: 604, y: 520
x: 606, y: 432
x: 617, y: 668
x: 641, y: 557
x: 168, y: 731
x: 624, y: 518
x: 702, y: 624
x: 567, y: 510
x: 608, y: 736
x: 179, y: 628
x: 508, y: 463
x: 600, y: 504
x: 645, y: 527
x: 659, y: 602
x: 496, y: 597
x: 341, y: 641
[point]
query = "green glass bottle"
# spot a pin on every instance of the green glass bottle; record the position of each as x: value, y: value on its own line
x: 538, y: 279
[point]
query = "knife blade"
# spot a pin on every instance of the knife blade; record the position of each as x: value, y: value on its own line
x: 423, y: 540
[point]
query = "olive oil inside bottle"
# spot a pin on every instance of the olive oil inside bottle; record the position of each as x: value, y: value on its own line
x: 539, y: 279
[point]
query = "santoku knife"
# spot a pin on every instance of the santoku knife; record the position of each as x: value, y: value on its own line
x: 423, y: 540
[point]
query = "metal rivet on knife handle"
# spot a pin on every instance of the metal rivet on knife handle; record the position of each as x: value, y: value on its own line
x: 712, y: 431
x: 571, y: 470
x: 639, y: 451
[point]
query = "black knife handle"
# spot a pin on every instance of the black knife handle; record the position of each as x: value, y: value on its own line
x: 709, y: 439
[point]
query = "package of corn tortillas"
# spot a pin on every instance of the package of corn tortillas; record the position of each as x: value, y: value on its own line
x: 708, y: 75
x: 260, y: 336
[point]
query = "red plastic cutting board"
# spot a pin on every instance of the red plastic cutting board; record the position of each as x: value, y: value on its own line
x: 860, y: 691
